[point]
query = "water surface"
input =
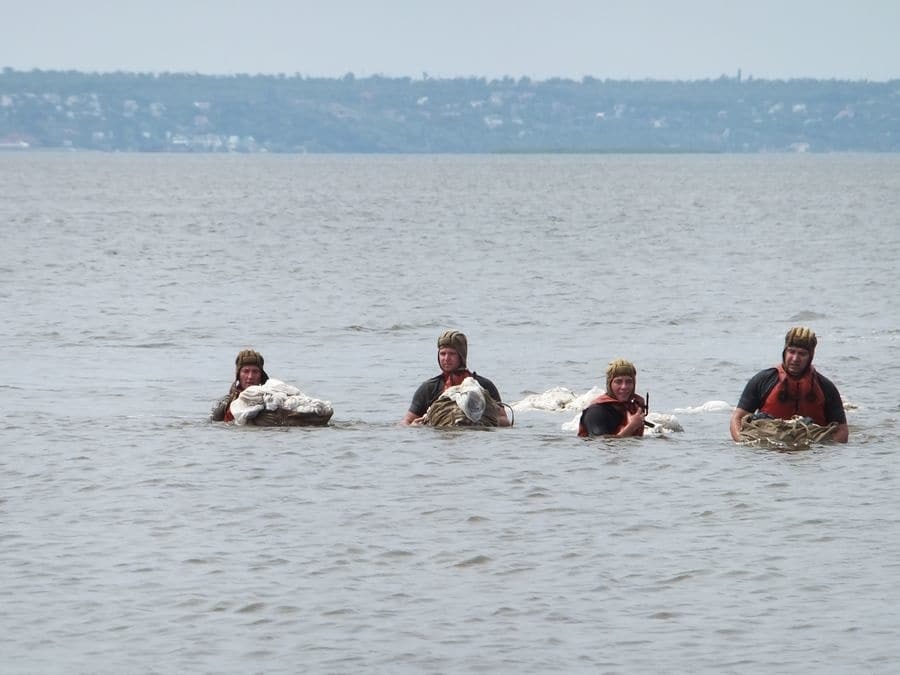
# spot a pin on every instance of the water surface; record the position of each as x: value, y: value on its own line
x: 139, y: 538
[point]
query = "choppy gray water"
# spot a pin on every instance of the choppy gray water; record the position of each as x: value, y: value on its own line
x: 137, y: 537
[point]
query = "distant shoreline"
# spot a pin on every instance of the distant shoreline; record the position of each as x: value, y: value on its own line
x: 145, y: 112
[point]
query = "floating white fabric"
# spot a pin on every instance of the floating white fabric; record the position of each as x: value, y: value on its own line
x: 556, y: 399
x: 709, y: 406
x: 274, y: 395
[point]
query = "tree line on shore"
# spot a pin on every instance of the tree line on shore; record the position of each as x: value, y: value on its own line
x: 185, y: 112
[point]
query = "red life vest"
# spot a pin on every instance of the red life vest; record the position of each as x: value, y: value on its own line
x: 236, y: 391
x: 455, y: 378
x: 796, y: 396
x: 631, y: 406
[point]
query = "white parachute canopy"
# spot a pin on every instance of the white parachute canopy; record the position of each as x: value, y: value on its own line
x: 469, y: 396
x: 274, y: 395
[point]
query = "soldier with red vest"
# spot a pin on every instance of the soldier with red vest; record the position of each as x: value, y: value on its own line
x: 793, y: 388
x: 453, y: 347
x: 618, y: 412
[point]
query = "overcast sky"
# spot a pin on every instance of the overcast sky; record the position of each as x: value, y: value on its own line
x: 627, y: 39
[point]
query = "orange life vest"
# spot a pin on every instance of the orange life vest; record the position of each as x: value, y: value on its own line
x: 455, y: 378
x: 236, y: 391
x: 796, y: 396
x: 631, y: 406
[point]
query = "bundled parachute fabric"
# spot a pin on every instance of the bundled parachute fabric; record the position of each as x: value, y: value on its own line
x: 276, y: 404
x: 465, y: 405
x: 797, y: 433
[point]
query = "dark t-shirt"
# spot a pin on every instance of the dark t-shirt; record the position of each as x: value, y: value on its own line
x: 600, y: 419
x: 429, y: 391
x: 761, y: 384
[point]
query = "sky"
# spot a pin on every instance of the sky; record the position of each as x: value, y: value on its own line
x: 627, y: 39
